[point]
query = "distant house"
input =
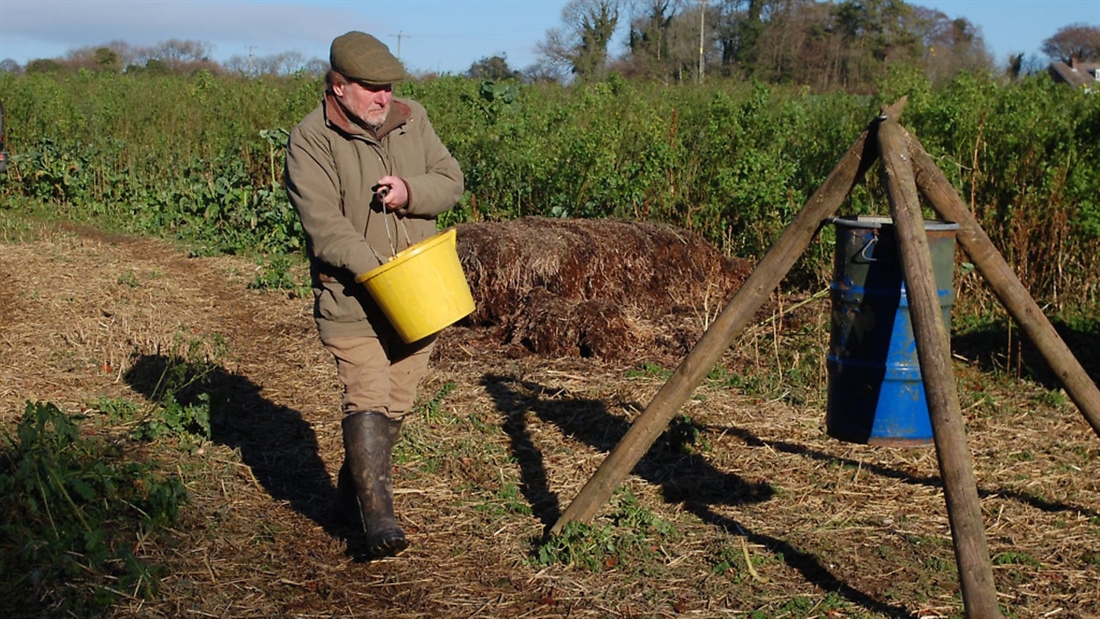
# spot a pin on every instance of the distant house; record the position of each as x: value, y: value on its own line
x: 1079, y: 74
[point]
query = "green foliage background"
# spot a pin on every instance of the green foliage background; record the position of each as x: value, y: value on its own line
x: 201, y: 157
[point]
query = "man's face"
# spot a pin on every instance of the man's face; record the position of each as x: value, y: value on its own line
x: 368, y: 103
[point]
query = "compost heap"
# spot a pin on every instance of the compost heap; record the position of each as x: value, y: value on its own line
x: 606, y: 288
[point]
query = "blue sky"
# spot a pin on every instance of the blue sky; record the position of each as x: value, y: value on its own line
x: 444, y: 36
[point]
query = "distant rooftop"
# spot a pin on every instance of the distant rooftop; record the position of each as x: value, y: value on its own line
x: 1080, y: 74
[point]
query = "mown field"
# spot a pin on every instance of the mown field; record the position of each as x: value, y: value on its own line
x: 168, y: 434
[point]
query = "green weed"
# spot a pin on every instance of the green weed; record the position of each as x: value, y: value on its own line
x: 633, y: 537
x: 183, y: 397
x: 276, y: 275
x: 129, y: 278
x: 1015, y: 558
x: 649, y: 370
x: 504, y: 502
x: 73, y: 504
x: 431, y: 409
x: 687, y: 435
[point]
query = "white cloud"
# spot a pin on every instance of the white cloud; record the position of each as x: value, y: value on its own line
x: 49, y: 28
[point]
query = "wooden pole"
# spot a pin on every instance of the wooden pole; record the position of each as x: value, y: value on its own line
x: 1008, y: 288
x: 727, y: 326
x: 933, y: 352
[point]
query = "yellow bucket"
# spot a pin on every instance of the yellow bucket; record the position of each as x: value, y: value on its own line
x: 422, y: 289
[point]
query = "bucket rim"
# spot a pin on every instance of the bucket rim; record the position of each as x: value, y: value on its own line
x: 407, y: 254
x: 882, y: 221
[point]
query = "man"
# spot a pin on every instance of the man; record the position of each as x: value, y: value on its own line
x: 367, y: 175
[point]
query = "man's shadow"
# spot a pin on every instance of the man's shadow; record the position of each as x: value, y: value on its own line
x: 685, y: 478
x: 279, y: 447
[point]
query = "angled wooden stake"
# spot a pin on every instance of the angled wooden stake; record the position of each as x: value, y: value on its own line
x: 1008, y: 288
x: 729, y: 324
x: 934, y: 354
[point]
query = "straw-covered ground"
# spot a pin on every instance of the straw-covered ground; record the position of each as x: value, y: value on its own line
x: 746, y: 509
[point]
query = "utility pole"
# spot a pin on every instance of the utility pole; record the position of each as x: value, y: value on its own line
x: 400, y: 34
x: 702, y: 30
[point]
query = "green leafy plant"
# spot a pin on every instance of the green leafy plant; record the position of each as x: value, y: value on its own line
x: 277, y: 275
x: 183, y: 396
x: 201, y: 158
x: 72, y: 506
x: 431, y: 408
x: 634, y: 533
x: 686, y: 435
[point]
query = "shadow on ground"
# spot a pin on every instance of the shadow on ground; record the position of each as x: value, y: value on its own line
x: 999, y: 348
x: 274, y: 441
x: 683, y: 478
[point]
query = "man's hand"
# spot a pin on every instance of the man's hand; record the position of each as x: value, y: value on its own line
x: 393, y: 192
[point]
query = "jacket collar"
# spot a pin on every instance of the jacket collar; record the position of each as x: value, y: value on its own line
x: 336, y: 116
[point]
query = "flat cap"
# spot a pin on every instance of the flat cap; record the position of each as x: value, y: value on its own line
x: 359, y: 56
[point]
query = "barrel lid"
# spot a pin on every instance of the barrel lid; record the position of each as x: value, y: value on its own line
x: 879, y: 221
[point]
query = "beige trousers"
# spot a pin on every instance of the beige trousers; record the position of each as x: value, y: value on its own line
x: 379, y: 373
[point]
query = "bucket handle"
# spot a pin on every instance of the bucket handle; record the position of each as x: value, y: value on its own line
x: 385, y: 222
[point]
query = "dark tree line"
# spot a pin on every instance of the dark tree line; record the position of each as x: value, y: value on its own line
x: 175, y: 56
x: 826, y: 45
x: 822, y: 44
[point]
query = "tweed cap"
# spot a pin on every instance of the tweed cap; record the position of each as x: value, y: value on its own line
x: 359, y: 56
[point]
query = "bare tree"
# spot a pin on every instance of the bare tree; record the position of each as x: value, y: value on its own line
x: 583, y: 44
x: 649, y: 38
x: 290, y: 62
x: 285, y: 63
x: 176, y: 54
x: 1079, y: 41
x: 689, y: 37
x: 797, y: 45
x: 545, y: 71
x: 557, y: 55
x: 950, y: 45
x: 113, y: 56
x: 315, y: 66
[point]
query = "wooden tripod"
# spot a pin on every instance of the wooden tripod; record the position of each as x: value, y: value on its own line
x: 907, y: 166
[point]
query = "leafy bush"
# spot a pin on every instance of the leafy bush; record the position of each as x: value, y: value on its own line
x: 201, y: 158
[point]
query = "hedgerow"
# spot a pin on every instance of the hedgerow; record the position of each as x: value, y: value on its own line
x: 201, y: 157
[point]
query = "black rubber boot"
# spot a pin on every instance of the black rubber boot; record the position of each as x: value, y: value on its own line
x: 368, y: 460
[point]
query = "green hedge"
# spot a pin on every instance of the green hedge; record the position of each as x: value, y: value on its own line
x: 201, y: 157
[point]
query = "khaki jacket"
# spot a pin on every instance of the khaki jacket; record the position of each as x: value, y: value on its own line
x: 332, y: 166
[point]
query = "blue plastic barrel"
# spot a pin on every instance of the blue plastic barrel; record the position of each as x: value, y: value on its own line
x: 875, y: 391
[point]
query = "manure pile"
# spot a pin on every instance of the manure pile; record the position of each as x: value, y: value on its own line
x: 594, y: 288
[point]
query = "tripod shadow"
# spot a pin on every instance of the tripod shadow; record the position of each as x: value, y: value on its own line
x: 931, y: 481
x: 279, y: 447
x: 990, y: 347
x: 680, y: 475
x: 683, y: 478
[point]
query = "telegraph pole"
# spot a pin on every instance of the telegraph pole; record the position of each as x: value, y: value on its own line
x: 702, y: 30
x: 400, y: 34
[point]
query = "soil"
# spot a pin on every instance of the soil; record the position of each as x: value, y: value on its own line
x: 524, y: 401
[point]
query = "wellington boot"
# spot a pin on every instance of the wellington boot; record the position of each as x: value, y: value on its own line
x: 368, y: 453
